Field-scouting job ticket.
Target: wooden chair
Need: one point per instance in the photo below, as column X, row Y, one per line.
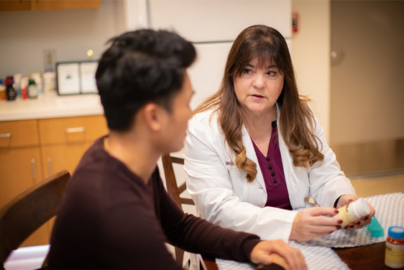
column 175, row 191
column 28, row 211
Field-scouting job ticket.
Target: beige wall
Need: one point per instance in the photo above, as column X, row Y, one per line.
column 310, row 55
column 25, row 34
column 73, row 32
column 367, row 83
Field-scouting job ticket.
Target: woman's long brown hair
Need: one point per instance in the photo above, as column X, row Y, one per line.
column 297, row 122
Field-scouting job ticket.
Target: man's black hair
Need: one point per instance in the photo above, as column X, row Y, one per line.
column 140, row 67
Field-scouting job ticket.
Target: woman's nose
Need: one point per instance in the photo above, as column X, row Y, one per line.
column 258, row 81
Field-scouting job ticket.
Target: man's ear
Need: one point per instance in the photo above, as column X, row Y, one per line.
column 153, row 116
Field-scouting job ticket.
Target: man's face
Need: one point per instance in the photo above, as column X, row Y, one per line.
column 175, row 123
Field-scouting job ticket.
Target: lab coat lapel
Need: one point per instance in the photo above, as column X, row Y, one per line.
column 285, row 155
column 292, row 181
column 251, row 155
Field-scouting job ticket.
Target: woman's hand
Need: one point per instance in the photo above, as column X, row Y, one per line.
column 347, row 199
column 265, row 252
column 314, row 222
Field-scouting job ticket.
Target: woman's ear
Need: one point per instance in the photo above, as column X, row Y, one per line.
column 153, row 116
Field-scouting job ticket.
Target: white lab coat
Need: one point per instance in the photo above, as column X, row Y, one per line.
column 224, row 197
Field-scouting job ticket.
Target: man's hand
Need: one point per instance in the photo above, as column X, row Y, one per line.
column 314, row 222
column 276, row 259
column 347, row 199
column 292, row 258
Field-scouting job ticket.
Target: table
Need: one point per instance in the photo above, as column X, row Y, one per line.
column 363, row 257
column 356, row 249
column 210, row 263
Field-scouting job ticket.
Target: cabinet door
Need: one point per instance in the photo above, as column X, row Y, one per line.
column 62, row 157
column 20, row 169
column 14, row 5
column 64, row 4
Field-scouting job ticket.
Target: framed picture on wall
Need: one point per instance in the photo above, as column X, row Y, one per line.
column 75, row 78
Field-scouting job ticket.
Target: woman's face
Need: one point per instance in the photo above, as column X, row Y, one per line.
column 258, row 87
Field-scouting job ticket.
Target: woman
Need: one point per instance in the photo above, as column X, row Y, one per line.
column 254, row 150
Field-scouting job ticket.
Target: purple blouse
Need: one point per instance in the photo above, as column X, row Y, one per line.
column 272, row 172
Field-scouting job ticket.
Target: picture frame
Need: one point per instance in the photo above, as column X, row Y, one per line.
column 76, row 77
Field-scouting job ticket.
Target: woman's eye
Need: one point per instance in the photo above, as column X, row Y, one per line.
column 247, row 71
column 271, row 73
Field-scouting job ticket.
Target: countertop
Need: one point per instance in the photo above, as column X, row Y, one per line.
column 50, row 105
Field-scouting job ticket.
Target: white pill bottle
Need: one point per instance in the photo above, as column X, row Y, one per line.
column 353, row 211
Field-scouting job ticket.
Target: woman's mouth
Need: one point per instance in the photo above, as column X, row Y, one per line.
column 257, row 96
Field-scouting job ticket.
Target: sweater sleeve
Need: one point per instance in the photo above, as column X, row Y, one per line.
column 196, row 235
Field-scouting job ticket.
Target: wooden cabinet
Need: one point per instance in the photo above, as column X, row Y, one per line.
column 34, row 149
column 64, row 140
column 20, row 159
column 63, row 4
column 20, row 169
column 19, row 134
column 20, row 166
column 15, row 5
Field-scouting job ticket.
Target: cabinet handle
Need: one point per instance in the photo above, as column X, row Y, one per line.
column 33, row 168
column 5, row 135
column 50, row 165
column 75, row 130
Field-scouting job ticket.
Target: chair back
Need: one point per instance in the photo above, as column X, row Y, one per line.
column 175, row 191
column 24, row 214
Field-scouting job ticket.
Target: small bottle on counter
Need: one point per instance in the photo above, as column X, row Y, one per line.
column 9, row 79
column 395, row 248
column 2, row 90
column 49, row 82
column 353, row 211
column 17, row 84
column 37, row 77
column 32, row 89
column 24, row 87
column 11, row 94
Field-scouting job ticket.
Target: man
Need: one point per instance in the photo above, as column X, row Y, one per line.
column 115, row 212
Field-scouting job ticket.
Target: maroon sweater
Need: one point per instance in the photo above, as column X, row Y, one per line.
column 110, row 219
